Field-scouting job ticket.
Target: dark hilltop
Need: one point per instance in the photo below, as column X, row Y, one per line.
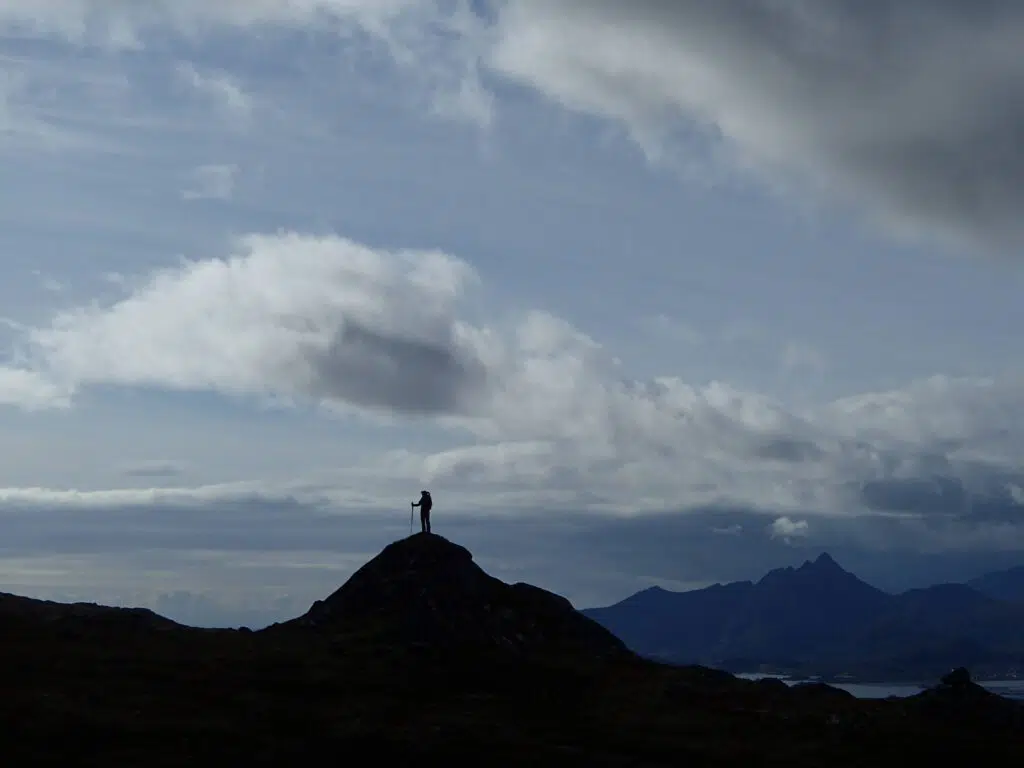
column 422, row 656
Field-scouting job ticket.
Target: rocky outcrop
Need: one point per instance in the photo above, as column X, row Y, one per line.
column 958, row 701
column 957, row 678
column 426, row 592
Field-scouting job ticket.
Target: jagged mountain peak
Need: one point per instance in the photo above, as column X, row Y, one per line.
column 823, row 566
column 825, row 560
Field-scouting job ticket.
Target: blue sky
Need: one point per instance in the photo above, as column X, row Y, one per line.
column 732, row 285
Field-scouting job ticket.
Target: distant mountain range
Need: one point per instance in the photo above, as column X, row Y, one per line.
column 1002, row 585
column 819, row 619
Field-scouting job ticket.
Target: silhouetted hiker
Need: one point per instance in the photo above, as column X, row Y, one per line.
column 424, row 504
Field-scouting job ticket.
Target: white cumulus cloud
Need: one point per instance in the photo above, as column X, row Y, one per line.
column 287, row 315
column 785, row 528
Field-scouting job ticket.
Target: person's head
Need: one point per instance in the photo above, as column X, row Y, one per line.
column 424, row 493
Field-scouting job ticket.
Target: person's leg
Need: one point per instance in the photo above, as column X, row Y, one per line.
column 423, row 520
column 426, row 514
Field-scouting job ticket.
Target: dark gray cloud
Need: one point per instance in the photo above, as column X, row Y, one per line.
column 788, row 449
column 937, row 495
column 371, row 368
column 945, row 496
column 913, row 109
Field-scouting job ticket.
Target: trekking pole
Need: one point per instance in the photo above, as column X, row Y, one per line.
column 410, row 518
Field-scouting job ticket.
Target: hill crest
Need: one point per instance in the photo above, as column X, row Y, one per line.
column 427, row 592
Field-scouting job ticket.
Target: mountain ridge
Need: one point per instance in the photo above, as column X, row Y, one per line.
column 818, row 618
column 1006, row 584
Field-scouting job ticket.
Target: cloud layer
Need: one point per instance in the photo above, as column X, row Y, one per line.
column 126, row 24
column 910, row 109
column 552, row 420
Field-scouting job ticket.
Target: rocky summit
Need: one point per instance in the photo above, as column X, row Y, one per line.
column 426, row 592
column 423, row 658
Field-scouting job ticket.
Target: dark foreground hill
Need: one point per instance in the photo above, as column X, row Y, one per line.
column 422, row 658
column 426, row 593
column 821, row 619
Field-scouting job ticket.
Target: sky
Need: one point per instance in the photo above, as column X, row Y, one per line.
column 645, row 293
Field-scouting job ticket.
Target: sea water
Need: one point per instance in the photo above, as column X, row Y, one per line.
column 1011, row 689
